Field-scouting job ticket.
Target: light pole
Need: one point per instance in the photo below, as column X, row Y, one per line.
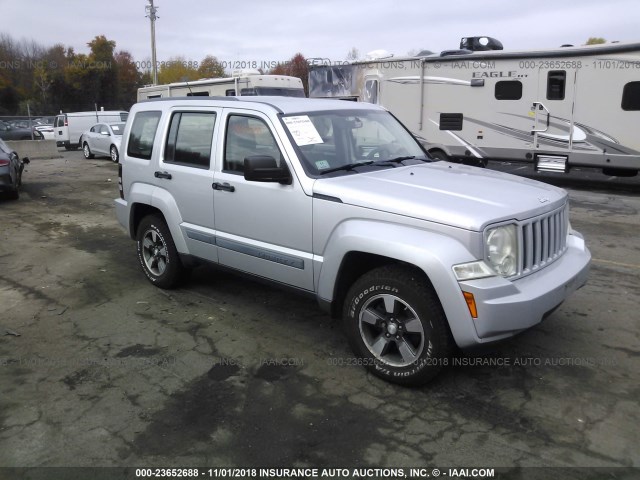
column 151, row 14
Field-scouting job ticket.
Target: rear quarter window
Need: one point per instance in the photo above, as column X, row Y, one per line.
column 143, row 132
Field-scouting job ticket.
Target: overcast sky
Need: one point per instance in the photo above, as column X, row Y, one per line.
column 274, row 30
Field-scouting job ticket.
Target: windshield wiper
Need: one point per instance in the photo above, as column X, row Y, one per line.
column 395, row 160
column 347, row 167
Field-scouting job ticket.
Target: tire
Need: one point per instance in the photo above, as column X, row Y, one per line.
column 396, row 326
column 157, row 253
column 439, row 155
column 87, row 151
column 114, row 153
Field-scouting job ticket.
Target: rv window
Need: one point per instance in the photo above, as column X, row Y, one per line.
column 198, row 94
column 154, row 96
column 371, row 91
column 556, row 81
column 451, row 121
column 247, row 136
column 124, row 116
column 508, row 90
column 189, row 139
column 143, row 131
column 230, row 93
column 248, row 92
column 631, row 96
column 280, row 92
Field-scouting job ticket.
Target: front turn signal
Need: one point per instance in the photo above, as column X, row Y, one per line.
column 471, row 304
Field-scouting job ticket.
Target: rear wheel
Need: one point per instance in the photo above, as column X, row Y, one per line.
column 396, row 326
column 114, row 153
column 157, row 253
column 87, row 151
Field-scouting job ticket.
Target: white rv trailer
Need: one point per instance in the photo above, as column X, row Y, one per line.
column 570, row 106
column 243, row 82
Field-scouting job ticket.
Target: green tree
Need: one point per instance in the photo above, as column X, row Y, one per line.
column 103, row 71
column 177, row 69
column 42, row 81
column 296, row 67
column 353, row 55
column 210, row 68
column 129, row 79
column 595, row 41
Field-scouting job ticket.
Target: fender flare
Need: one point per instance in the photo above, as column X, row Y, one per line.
column 146, row 194
column 432, row 252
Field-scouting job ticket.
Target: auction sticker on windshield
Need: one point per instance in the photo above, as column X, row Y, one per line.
column 302, row 130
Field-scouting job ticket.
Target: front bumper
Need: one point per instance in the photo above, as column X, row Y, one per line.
column 507, row 307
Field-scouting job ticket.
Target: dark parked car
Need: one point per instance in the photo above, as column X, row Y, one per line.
column 11, row 168
column 8, row 132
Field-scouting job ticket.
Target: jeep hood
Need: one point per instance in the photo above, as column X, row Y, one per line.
column 442, row 192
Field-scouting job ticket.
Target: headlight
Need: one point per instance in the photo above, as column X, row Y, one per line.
column 501, row 246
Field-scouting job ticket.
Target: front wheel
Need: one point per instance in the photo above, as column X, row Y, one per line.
column 396, row 326
column 114, row 153
column 87, row 151
column 157, row 253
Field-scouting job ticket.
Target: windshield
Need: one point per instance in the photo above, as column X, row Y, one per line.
column 338, row 141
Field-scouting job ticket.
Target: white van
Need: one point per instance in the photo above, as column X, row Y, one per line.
column 69, row 127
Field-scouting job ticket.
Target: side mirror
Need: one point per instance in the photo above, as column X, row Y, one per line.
column 26, row 160
column 263, row 168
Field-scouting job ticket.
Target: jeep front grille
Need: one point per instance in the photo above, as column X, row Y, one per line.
column 544, row 239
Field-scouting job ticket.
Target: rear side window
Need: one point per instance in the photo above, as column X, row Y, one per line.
column 143, row 131
column 508, row 90
column 190, row 137
column 631, row 96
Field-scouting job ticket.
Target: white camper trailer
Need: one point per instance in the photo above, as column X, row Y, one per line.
column 243, row 82
column 571, row 106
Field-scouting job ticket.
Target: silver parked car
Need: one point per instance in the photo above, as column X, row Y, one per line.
column 103, row 139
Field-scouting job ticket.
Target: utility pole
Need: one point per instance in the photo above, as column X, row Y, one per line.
column 151, row 14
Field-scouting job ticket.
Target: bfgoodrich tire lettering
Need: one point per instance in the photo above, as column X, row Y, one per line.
column 394, row 320
column 157, row 253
